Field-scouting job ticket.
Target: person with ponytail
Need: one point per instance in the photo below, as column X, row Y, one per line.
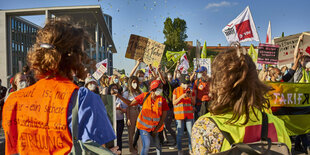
column 47, row 105
column 237, row 105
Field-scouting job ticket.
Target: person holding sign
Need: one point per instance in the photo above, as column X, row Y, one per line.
column 238, row 102
column 152, row 116
column 43, row 112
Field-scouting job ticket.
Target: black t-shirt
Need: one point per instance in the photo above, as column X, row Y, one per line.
column 166, row 91
column 2, row 92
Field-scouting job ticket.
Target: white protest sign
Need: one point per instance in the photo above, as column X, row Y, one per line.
column 99, row 72
column 206, row 62
column 286, row 49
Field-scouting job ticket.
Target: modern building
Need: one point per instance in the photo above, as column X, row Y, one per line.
column 17, row 35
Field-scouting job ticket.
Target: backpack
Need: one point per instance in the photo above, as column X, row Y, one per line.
column 264, row 146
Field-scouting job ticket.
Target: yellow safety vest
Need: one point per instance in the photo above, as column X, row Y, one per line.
column 251, row 132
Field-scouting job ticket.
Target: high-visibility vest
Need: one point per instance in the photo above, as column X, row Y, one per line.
column 150, row 114
column 35, row 118
column 183, row 109
column 251, row 132
column 202, row 91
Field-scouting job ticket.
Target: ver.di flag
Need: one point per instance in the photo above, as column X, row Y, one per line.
column 204, row 51
column 184, row 64
column 253, row 54
column 242, row 28
column 174, row 56
column 103, row 62
column 268, row 38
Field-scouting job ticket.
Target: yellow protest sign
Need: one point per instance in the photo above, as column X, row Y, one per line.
column 290, row 102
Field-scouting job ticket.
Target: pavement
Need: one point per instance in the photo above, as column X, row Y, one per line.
column 165, row 148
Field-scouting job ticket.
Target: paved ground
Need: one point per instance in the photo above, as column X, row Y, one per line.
column 165, row 150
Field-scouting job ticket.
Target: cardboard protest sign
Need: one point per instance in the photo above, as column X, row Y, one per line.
column 286, row 49
column 303, row 44
column 99, row 72
column 136, row 47
column 203, row 62
column 148, row 49
column 268, row 54
column 291, row 103
column 153, row 53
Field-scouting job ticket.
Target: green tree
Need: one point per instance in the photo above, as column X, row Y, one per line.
column 175, row 35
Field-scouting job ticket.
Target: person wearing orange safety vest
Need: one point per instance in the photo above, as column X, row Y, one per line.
column 152, row 116
column 39, row 119
column 183, row 102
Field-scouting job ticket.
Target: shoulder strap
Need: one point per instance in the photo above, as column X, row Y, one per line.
column 226, row 135
column 75, row 122
column 264, row 132
column 147, row 95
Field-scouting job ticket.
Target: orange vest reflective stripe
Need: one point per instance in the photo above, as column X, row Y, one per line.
column 35, row 118
column 184, row 109
column 150, row 114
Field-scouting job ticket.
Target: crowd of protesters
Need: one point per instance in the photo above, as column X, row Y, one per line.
column 195, row 102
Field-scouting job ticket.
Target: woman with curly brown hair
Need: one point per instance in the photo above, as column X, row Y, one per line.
column 238, row 100
column 38, row 119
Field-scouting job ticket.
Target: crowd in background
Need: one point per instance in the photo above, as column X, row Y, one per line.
column 149, row 105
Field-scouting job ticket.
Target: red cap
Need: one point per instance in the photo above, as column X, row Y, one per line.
column 11, row 80
column 155, row 84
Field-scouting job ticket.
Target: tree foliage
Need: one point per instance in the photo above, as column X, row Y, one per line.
column 175, row 35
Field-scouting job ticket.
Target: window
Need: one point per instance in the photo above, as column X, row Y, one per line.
column 12, row 22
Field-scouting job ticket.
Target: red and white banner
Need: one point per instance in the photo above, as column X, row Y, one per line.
column 242, row 28
column 268, row 38
column 103, row 62
column 184, row 65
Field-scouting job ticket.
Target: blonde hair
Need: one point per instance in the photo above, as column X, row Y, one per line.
column 235, row 86
column 64, row 56
column 104, row 81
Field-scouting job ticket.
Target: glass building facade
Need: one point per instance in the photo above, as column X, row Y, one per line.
column 23, row 37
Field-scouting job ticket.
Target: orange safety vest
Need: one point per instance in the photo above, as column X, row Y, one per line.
column 202, row 91
column 35, row 118
column 184, row 109
column 150, row 114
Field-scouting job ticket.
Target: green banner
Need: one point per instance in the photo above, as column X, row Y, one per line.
column 290, row 102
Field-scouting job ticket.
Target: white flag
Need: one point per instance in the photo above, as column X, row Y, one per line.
column 184, row 65
column 103, row 62
column 268, row 38
column 242, row 28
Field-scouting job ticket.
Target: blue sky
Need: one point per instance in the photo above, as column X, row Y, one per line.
column 205, row 18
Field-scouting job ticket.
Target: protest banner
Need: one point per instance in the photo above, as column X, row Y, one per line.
column 203, row 62
column 242, row 28
column 99, row 72
column 291, row 103
column 286, row 48
column 140, row 47
column 268, row 54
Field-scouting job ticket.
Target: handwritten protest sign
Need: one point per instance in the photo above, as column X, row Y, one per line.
column 153, row 53
column 268, row 54
column 148, row 49
column 303, row 44
column 286, row 49
column 291, row 103
column 99, row 72
column 203, row 62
